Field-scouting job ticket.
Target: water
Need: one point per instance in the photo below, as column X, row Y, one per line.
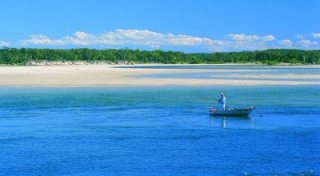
column 158, row 131
column 236, row 72
column 246, row 68
column 224, row 76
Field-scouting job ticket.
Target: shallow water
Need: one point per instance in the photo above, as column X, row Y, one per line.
column 246, row 68
column 158, row 131
column 227, row 76
column 236, row 72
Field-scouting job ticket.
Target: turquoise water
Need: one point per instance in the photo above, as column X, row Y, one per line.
column 158, row 131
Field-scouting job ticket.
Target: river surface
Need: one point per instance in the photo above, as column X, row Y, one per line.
column 158, row 131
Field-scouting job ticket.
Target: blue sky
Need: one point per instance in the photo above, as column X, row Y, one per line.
column 183, row 25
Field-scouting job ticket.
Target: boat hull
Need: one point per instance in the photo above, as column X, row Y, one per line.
column 231, row 112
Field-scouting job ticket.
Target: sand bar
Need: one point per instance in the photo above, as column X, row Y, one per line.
column 109, row 75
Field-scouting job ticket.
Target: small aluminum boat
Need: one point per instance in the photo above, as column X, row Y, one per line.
column 231, row 111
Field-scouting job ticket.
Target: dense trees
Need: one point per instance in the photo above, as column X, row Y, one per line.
column 24, row 56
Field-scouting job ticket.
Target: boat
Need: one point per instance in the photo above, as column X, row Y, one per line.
column 231, row 111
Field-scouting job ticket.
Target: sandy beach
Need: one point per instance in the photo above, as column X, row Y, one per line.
column 110, row 75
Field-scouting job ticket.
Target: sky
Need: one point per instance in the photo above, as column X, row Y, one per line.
column 180, row 25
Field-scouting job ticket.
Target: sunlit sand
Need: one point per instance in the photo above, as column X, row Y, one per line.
column 109, row 75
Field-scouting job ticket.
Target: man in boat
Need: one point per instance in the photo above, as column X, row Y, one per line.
column 222, row 101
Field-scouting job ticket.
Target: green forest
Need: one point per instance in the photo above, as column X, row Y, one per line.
column 24, row 56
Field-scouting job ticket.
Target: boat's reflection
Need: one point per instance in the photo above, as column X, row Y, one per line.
column 232, row 121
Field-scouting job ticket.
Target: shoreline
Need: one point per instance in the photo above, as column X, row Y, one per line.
column 125, row 86
column 79, row 63
column 115, row 76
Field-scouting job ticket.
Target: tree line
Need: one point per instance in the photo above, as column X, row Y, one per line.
column 24, row 56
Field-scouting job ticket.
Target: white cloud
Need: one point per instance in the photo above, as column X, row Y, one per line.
column 286, row 43
column 268, row 38
column 248, row 42
column 246, row 37
column 121, row 37
column 4, row 43
column 151, row 39
column 316, row 35
column 243, row 37
column 307, row 43
column 81, row 35
column 40, row 39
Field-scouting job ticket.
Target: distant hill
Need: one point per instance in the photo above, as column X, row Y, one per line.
column 25, row 56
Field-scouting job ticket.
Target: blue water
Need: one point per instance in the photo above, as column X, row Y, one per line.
column 158, row 131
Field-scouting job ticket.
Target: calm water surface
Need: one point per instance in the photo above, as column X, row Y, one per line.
column 230, row 72
column 250, row 68
column 158, row 131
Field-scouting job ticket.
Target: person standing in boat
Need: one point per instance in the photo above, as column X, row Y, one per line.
column 223, row 101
